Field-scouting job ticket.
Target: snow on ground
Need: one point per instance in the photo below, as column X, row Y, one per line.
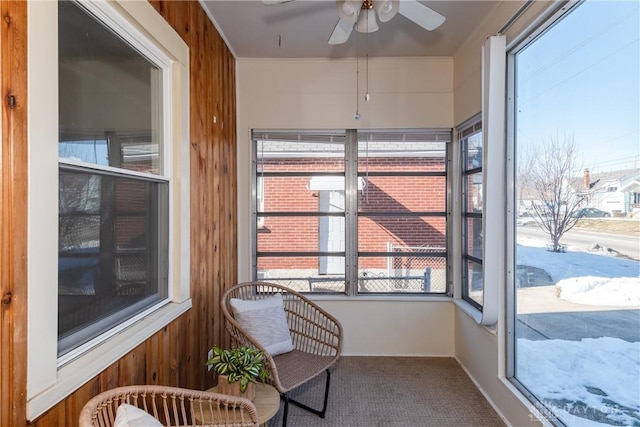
column 592, row 382
column 596, row 378
column 565, row 265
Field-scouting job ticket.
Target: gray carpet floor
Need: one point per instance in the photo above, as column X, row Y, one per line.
column 393, row 391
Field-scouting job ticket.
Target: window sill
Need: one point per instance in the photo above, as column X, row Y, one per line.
column 77, row 372
column 469, row 310
column 383, row 297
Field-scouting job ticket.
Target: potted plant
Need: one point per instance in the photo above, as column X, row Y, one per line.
column 237, row 369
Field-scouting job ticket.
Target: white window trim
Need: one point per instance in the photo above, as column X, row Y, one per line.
column 494, row 197
column 494, row 72
column 48, row 382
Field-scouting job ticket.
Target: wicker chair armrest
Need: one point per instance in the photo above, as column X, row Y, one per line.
column 313, row 330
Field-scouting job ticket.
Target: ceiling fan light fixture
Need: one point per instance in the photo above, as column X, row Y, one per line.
column 348, row 10
column 367, row 22
column 386, row 9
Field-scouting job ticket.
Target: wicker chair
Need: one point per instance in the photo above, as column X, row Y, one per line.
column 172, row 406
column 316, row 336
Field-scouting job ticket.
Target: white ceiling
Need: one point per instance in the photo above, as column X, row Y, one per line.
column 301, row 29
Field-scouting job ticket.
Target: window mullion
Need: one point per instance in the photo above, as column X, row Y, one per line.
column 351, row 212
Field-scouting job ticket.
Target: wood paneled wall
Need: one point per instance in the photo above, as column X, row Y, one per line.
column 175, row 355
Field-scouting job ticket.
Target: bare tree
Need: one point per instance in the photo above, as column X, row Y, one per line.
column 549, row 177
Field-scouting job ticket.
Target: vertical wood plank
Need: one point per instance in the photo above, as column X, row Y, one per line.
column 13, row 199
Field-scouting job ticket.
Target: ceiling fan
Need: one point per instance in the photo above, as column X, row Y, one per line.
column 361, row 15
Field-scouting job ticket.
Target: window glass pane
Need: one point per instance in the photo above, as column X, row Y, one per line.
column 310, row 234
column 472, row 237
column 473, row 151
column 292, row 155
column 403, row 194
column 473, row 282
column 472, row 192
column 306, row 274
column 113, row 252
column 401, row 156
column 110, row 96
column 577, row 320
column 384, row 233
column 407, row 271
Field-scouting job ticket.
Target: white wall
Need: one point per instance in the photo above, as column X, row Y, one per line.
column 392, row 327
column 321, row 94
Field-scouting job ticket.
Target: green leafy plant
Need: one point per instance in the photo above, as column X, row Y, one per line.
column 244, row 364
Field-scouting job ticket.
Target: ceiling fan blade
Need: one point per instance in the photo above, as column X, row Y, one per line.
column 341, row 32
column 426, row 17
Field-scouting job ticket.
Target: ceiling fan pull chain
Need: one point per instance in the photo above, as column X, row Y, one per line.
column 366, row 95
column 357, row 115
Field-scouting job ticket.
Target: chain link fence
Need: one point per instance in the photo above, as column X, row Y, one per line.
column 409, row 270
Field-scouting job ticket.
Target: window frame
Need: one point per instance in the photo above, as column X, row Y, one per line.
column 468, row 129
column 353, row 180
column 50, row 378
column 543, row 22
column 437, row 253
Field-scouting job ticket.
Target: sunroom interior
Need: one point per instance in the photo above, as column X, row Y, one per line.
column 194, row 181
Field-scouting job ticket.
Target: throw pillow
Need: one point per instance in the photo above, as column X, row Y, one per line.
column 265, row 320
column 130, row 416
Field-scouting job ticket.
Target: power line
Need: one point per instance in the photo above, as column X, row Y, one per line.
column 566, row 54
column 576, row 74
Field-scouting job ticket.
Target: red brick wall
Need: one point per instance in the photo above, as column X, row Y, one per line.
column 384, row 194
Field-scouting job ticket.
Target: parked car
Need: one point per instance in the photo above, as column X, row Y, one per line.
column 591, row 213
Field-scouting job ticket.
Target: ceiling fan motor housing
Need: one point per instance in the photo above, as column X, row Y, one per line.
column 352, row 11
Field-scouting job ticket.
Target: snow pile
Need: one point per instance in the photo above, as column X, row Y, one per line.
column 590, row 290
column 596, row 379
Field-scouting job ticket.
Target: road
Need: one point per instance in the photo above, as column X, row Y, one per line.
column 625, row 244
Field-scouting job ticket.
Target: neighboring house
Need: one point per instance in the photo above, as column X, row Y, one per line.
column 617, row 192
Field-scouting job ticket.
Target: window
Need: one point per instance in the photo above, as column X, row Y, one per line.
column 113, row 224
column 470, row 136
column 352, row 212
column 108, row 209
column 574, row 306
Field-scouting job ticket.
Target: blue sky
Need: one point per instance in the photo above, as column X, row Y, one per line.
column 581, row 79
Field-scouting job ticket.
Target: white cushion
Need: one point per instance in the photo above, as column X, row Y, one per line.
column 130, row 416
column 265, row 320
